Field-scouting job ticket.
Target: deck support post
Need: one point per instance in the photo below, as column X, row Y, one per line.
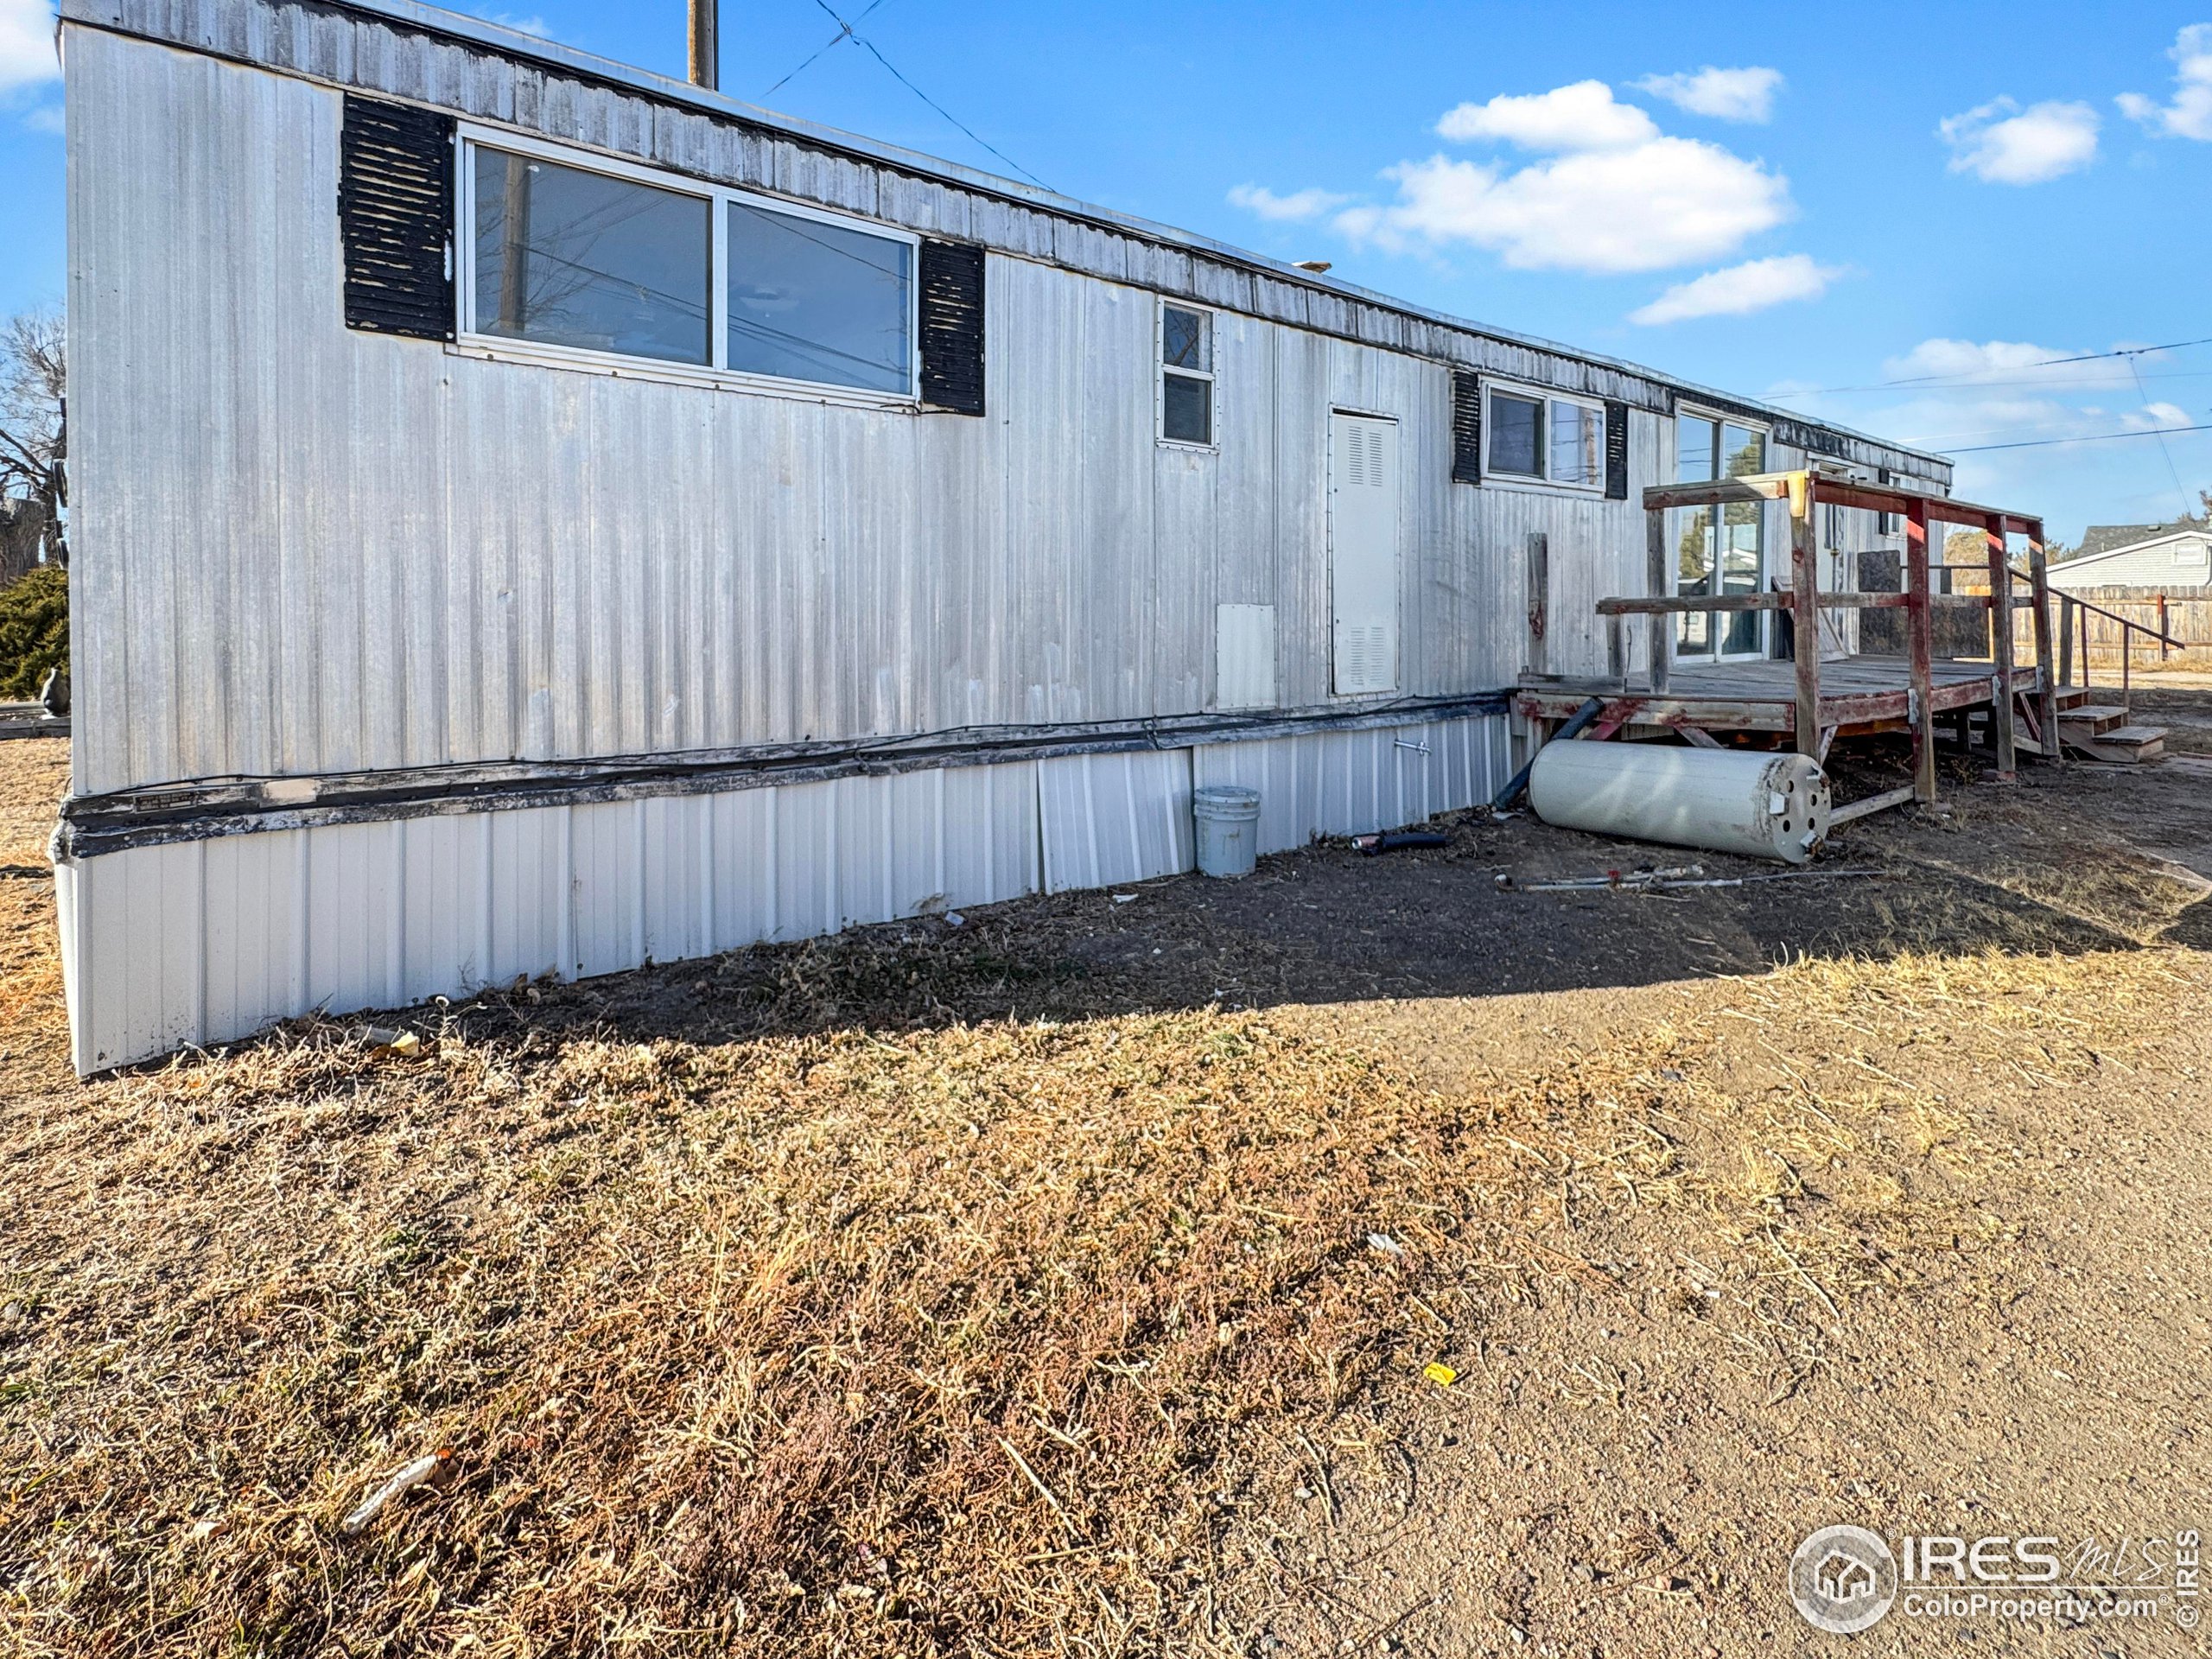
column 1654, row 578
column 1617, row 650
column 2066, row 639
column 1919, row 618
column 1805, row 610
column 2046, row 664
column 2001, row 650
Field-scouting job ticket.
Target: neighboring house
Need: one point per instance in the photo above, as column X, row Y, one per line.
column 2103, row 539
column 2161, row 561
column 532, row 517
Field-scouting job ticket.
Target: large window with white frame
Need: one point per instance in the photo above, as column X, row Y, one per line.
column 1542, row 437
column 1722, row 549
column 573, row 257
column 1186, row 399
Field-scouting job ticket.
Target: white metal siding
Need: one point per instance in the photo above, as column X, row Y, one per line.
column 208, row 941
column 1351, row 783
column 303, row 549
column 1109, row 818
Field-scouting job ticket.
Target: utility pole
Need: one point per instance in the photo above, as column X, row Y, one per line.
column 706, row 45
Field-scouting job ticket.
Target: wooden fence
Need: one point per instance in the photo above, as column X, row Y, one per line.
column 2183, row 613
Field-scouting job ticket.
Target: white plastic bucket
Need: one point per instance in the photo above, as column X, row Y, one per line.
column 1227, row 819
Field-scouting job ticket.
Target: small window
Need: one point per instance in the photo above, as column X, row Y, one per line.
column 1186, row 375
column 568, row 257
column 810, row 300
column 1549, row 440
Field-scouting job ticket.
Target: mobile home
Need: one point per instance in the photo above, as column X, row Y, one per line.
column 536, row 517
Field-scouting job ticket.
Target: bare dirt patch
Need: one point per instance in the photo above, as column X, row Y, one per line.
column 1067, row 1280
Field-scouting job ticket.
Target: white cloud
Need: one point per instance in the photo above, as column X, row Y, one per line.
column 530, row 25
column 2152, row 416
column 2190, row 115
column 1299, row 205
column 1724, row 94
column 1968, row 362
column 1578, row 117
column 47, row 117
column 2002, row 143
column 1669, row 201
column 1740, row 290
column 26, row 44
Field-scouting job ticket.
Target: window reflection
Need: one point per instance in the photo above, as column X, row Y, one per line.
column 811, row 301
column 574, row 258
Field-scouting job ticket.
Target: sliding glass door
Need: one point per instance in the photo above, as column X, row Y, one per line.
column 1718, row 550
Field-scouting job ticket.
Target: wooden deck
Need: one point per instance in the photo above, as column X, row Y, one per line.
column 1857, row 694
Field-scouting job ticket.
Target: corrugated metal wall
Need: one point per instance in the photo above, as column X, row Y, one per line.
column 303, row 549
column 200, row 942
column 204, row 941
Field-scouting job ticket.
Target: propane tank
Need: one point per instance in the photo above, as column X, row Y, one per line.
column 1744, row 801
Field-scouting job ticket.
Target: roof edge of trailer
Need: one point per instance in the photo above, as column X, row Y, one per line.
column 514, row 44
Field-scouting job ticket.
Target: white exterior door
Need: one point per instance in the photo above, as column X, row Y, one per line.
column 1363, row 552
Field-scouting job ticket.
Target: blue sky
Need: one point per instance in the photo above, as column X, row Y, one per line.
column 1952, row 196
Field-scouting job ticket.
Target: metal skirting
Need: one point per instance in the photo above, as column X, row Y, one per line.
column 1350, row 783
column 199, row 942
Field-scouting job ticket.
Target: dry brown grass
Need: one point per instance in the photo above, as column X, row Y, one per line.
column 852, row 1331
column 950, row 1340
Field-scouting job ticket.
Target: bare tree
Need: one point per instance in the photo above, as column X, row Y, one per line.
column 35, row 422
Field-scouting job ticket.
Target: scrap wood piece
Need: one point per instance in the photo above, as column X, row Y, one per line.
column 1871, row 804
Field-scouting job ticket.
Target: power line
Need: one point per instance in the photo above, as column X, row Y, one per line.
column 845, row 30
column 2144, row 392
column 2098, row 437
column 1968, row 380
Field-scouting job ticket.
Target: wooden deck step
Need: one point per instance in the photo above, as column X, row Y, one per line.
column 2122, row 743
column 2095, row 717
column 2071, row 696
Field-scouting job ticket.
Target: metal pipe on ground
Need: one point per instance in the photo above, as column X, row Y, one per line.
column 1576, row 724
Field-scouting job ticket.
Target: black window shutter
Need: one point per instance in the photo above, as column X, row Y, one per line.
column 395, row 219
column 952, row 326
column 1466, row 428
column 1616, row 452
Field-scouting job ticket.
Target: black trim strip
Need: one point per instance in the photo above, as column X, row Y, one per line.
column 95, row 824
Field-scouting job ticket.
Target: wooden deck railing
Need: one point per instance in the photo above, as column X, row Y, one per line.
column 1803, row 491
